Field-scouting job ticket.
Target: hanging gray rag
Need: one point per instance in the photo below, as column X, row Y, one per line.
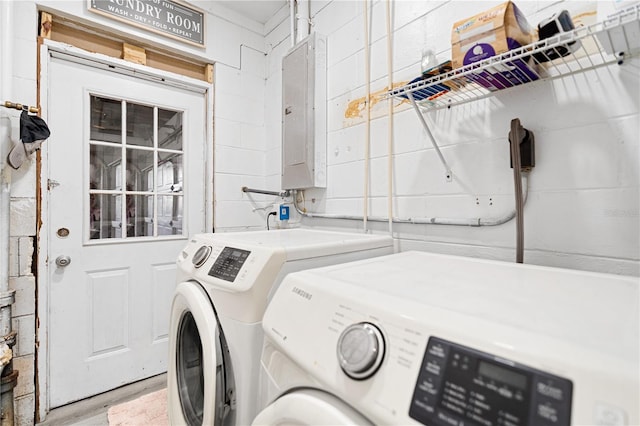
column 33, row 131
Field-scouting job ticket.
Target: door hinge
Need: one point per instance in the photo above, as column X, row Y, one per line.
column 52, row 184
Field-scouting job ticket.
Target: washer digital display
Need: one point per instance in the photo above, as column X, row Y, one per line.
column 501, row 374
column 228, row 264
column 458, row 385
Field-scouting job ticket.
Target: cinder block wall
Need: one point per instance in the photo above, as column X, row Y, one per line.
column 236, row 46
column 22, row 280
column 23, row 221
column 583, row 207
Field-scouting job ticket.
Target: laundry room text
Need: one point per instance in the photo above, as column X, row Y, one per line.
column 164, row 16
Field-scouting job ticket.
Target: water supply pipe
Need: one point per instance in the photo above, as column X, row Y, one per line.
column 473, row 221
column 283, row 194
column 367, row 137
column 292, row 21
column 303, row 18
column 390, row 114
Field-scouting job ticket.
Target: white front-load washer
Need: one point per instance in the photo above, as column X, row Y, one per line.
column 224, row 283
column 420, row 338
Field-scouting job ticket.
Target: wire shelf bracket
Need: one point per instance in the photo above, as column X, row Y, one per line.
column 605, row 43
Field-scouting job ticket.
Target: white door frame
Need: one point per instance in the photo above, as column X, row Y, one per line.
column 120, row 66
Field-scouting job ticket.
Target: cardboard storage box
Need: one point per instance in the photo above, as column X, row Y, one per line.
column 492, row 32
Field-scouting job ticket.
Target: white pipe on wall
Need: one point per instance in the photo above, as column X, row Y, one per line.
column 367, row 138
column 474, row 221
column 303, row 18
column 292, row 21
column 390, row 114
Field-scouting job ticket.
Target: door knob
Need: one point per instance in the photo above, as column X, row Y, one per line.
column 63, row 261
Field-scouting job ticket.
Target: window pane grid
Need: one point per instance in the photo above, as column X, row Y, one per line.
column 169, row 151
column 143, row 195
column 155, row 170
column 123, row 170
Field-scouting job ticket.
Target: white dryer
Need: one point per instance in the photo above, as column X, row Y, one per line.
column 224, row 283
column 420, row 338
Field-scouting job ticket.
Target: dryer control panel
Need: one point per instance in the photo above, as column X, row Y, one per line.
column 459, row 385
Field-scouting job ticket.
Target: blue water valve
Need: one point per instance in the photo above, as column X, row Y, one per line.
column 284, row 212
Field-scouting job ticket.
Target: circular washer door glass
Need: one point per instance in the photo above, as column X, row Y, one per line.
column 190, row 370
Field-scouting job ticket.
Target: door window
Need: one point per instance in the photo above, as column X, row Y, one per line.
column 135, row 170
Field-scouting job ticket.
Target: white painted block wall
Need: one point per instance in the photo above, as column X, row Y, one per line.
column 23, row 223
column 583, row 206
column 240, row 140
column 235, row 45
column 247, row 131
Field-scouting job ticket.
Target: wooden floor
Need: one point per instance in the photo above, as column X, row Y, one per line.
column 93, row 411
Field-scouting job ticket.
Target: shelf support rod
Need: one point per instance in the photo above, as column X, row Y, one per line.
column 433, row 140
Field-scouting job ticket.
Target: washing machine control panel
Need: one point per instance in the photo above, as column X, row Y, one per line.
column 360, row 350
column 459, row 385
column 228, row 263
column 201, row 256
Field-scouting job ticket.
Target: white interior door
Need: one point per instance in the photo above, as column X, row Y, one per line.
column 126, row 188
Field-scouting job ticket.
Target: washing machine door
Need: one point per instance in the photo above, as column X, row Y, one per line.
column 309, row 407
column 197, row 388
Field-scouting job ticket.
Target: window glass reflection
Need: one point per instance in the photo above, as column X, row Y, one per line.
column 139, row 170
column 105, row 216
column 136, row 184
column 170, row 215
column 139, row 125
column 105, row 171
column 169, row 129
column 106, row 120
column 139, row 215
column 169, row 172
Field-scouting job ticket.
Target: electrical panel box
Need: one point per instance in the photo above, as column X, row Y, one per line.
column 304, row 114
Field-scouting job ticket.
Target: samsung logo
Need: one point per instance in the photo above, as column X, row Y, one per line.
column 300, row 292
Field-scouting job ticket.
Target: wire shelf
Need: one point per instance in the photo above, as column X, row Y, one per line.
column 589, row 47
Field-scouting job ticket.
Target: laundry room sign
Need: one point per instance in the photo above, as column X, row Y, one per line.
column 168, row 17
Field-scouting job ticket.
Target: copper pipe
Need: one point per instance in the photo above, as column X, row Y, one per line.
column 32, row 109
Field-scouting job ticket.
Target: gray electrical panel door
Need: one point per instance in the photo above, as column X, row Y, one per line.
column 304, row 130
